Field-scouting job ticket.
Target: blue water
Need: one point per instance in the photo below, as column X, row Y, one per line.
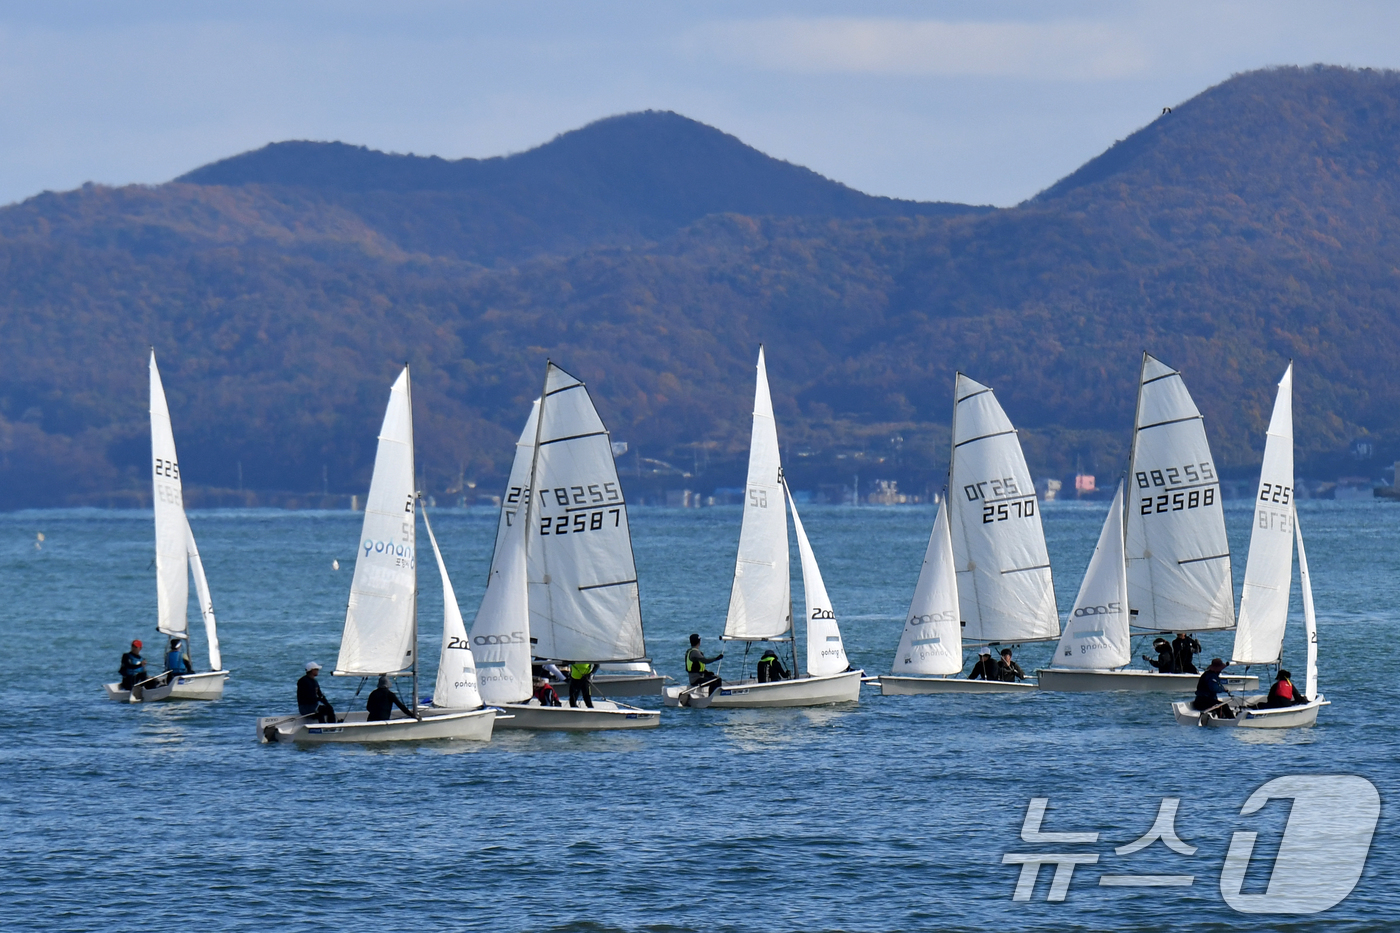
column 890, row 815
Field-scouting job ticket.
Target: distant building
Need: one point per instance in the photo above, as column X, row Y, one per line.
column 1048, row 489
column 1084, row 482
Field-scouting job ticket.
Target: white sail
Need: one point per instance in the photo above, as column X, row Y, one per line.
column 456, row 675
column 760, row 602
column 583, row 581
column 501, row 630
column 517, row 497
column 1005, row 590
column 1096, row 635
column 1268, row 572
column 932, row 639
column 172, row 531
column 825, row 652
column 206, row 603
column 1178, row 555
column 1310, row 685
column 379, row 621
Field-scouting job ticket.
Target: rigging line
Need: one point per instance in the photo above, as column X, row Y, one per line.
column 982, row 437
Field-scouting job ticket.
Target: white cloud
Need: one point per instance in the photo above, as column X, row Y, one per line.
column 1066, row 50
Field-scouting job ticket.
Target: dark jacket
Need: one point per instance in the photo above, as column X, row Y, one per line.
column 1209, row 687
column 133, row 665
column 1166, row 661
column 1184, row 651
column 1010, row 671
column 770, row 669
column 986, row 668
column 381, row 704
column 1277, row 697
column 309, row 695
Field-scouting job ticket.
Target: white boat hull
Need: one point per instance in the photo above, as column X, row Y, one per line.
column 1087, row 681
column 896, row 686
column 605, row 714
column 1250, row 714
column 470, row 725
column 804, row 691
column 623, row 685
column 208, row 685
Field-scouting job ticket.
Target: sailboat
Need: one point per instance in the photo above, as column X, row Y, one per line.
column 381, row 620
column 989, row 582
column 1175, row 553
column 177, row 558
column 1268, row 577
column 563, row 583
column 760, row 600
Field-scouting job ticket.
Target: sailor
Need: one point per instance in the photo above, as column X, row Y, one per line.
column 1008, row 669
column 177, row 659
column 544, row 692
column 1184, row 651
column 985, row 668
column 133, row 669
column 1283, row 693
column 770, row 668
column 1208, row 690
column 695, row 662
column 382, row 701
column 1165, row 662
column 310, row 700
column 580, row 683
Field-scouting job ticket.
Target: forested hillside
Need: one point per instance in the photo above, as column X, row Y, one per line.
column 650, row 255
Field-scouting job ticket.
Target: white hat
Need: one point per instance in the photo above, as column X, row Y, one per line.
column 985, row 650
column 312, row 666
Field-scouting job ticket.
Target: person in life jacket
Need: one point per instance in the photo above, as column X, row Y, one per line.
column 177, row 658
column 545, row 693
column 1184, row 651
column 581, row 683
column 1208, row 690
column 1008, row 669
column 985, row 668
column 695, row 662
column 1165, row 662
column 770, row 668
column 133, row 669
column 1283, row 693
column 382, row 701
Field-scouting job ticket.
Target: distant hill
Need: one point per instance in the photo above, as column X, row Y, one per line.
column 622, row 180
column 1256, row 223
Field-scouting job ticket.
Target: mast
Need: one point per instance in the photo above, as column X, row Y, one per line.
column 417, row 496
column 530, row 502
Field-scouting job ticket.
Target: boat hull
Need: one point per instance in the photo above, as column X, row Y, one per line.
column 804, row 691
column 894, row 685
column 469, row 725
column 1251, row 715
column 604, row 715
column 624, row 685
column 1089, row 681
column 208, row 685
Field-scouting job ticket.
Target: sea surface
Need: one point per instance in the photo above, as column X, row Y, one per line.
column 893, row 814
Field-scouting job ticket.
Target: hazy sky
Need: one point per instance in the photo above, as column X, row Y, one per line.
column 985, row 102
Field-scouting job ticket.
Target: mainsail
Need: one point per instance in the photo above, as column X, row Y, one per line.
column 172, row 530
column 582, row 578
column 760, row 602
column 825, row 652
column 932, row 639
column 456, row 675
column 1005, row 589
column 379, row 621
column 1178, row 555
column 1268, row 572
column 1096, row 635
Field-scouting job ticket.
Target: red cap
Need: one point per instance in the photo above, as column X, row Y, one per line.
column 136, row 643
